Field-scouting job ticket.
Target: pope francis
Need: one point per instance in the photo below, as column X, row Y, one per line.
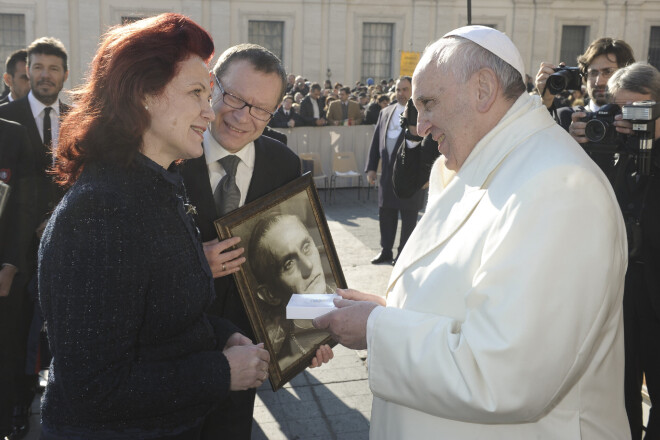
column 503, row 317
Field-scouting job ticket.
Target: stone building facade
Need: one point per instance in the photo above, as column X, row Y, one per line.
column 345, row 40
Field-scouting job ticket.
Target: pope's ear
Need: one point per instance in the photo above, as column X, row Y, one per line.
column 266, row 295
column 487, row 89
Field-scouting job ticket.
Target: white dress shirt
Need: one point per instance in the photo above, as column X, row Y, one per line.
column 38, row 113
column 315, row 108
column 213, row 152
column 394, row 127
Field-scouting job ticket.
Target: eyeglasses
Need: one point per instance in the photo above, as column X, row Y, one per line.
column 605, row 73
column 238, row 103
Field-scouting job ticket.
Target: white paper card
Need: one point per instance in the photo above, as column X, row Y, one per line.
column 310, row 305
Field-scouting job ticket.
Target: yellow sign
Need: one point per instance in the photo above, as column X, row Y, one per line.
column 409, row 61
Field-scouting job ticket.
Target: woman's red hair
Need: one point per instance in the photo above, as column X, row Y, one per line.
column 108, row 119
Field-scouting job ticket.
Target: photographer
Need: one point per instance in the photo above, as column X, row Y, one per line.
column 602, row 58
column 638, row 193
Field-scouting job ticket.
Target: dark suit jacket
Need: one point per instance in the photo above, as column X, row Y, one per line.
column 378, row 151
column 606, row 161
column 14, row 235
column 40, row 158
column 41, row 193
column 4, row 100
column 371, row 113
column 274, row 165
column 307, row 111
column 274, row 134
column 413, row 167
column 280, row 120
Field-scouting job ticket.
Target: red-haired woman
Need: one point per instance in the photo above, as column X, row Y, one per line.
column 123, row 278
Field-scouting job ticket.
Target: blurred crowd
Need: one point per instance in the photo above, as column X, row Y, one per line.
column 311, row 104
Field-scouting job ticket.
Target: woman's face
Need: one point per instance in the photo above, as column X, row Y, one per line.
column 180, row 115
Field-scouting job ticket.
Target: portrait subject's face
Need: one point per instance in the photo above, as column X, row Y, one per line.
column 296, row 257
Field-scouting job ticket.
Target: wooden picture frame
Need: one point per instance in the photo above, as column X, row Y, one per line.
column 288, row 249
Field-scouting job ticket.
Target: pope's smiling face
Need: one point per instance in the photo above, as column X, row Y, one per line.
column 444, row 112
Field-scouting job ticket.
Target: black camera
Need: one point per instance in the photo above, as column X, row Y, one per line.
column 564, row 78
column 642, row 114
column 600, row 125
column 604, row 139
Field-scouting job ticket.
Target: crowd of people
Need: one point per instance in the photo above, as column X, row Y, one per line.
column 310, row 104
column 524, row 304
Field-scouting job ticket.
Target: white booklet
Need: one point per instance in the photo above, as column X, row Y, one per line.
column 310, row 305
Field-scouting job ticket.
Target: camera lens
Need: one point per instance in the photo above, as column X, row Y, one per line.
column 556, row 83
column 595, row 130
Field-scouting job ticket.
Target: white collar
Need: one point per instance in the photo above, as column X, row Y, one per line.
column 592, row 107
column 37, row 106
column 213, row 151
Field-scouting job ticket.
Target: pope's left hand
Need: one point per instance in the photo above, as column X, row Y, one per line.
column 347, row 324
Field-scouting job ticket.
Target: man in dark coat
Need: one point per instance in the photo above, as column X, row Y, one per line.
column 387, row 136
column 311, row 107
column 249, row 83
column 13, row 149
column 285, row 116
column 414, row 158
column 374, row 109
column 15, row 76
column 39, row 112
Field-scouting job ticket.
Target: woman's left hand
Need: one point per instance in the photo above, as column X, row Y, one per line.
column 323, row 356
column 221, row 258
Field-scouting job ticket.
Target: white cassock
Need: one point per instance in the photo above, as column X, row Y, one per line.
column 504, row 310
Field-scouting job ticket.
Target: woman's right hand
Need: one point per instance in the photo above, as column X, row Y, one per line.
column 248, row 365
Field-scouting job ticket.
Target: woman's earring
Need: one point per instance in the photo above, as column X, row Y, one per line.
column 146, row 107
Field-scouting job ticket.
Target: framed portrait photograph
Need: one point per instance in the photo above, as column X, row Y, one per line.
column 288, row 249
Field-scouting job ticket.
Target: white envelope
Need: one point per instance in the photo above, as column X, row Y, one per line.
column 310, row 305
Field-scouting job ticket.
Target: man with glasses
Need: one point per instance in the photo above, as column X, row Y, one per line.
column 238, row 166
column 602, row 58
